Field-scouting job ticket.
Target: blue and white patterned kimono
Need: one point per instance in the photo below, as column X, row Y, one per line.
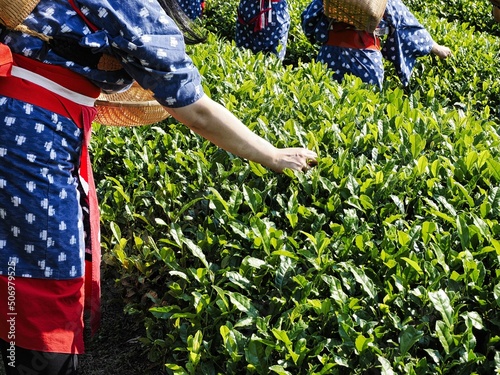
column 192, row 8
column 407, row 40
column 41, row 225
column 263, row 26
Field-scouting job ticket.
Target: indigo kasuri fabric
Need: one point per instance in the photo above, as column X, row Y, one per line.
column 263, row 26
column 192, row 8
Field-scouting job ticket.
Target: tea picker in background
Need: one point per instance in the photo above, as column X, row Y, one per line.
column 263, row 26
column 51, row 73
column 350, row 50
column 192, row 8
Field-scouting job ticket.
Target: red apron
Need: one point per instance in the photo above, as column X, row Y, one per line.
column 58, row 324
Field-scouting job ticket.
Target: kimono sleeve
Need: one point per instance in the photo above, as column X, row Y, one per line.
column 407, row 41
column 150, row 46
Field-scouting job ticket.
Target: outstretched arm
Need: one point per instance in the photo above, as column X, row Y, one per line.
column 218, row 125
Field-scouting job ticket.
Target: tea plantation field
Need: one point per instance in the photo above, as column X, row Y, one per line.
column 383, row 259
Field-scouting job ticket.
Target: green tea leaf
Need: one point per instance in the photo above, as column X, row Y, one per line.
column 409, row 337
column 428, row 228
column 463, row 232
column 413, row 264
column 494, row 168
column 496, row 294
column 196, row 251
column 422, row 165
column 417, row 145
column 386, row 366
column 441, row 303
column 362, row 343
column 279, row 370
column 242, row 303
column 444, row 335
column 474, row 318
column 365, row 282
column 176, row 369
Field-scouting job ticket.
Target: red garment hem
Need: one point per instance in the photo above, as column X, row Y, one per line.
column 42, row 314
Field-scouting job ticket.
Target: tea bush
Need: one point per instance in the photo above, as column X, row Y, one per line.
column 383, row 259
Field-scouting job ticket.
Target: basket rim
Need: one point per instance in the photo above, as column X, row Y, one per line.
column 127, row 103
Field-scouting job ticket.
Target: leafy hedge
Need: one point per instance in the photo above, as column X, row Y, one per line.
column 383, row 259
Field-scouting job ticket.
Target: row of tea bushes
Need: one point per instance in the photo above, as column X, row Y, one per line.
column 381, row 260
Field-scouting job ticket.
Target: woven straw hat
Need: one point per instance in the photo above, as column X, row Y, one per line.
column 12, row 13
column 363, row 14
column 133, row 107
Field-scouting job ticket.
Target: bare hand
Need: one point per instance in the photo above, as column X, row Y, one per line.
column 299, row 159
column 440, row 51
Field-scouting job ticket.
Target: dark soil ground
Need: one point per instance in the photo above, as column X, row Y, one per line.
column 114, row 350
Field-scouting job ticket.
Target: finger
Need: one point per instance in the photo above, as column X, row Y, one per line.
column 311, row 162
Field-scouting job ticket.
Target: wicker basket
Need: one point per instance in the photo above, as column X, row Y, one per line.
column 496, row 13
column 363, row 14
column 133, row 107
column 12, row 13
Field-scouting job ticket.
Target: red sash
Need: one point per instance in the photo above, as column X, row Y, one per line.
column 343, row 35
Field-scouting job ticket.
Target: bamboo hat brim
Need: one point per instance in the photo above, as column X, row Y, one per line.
column 133, row 107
